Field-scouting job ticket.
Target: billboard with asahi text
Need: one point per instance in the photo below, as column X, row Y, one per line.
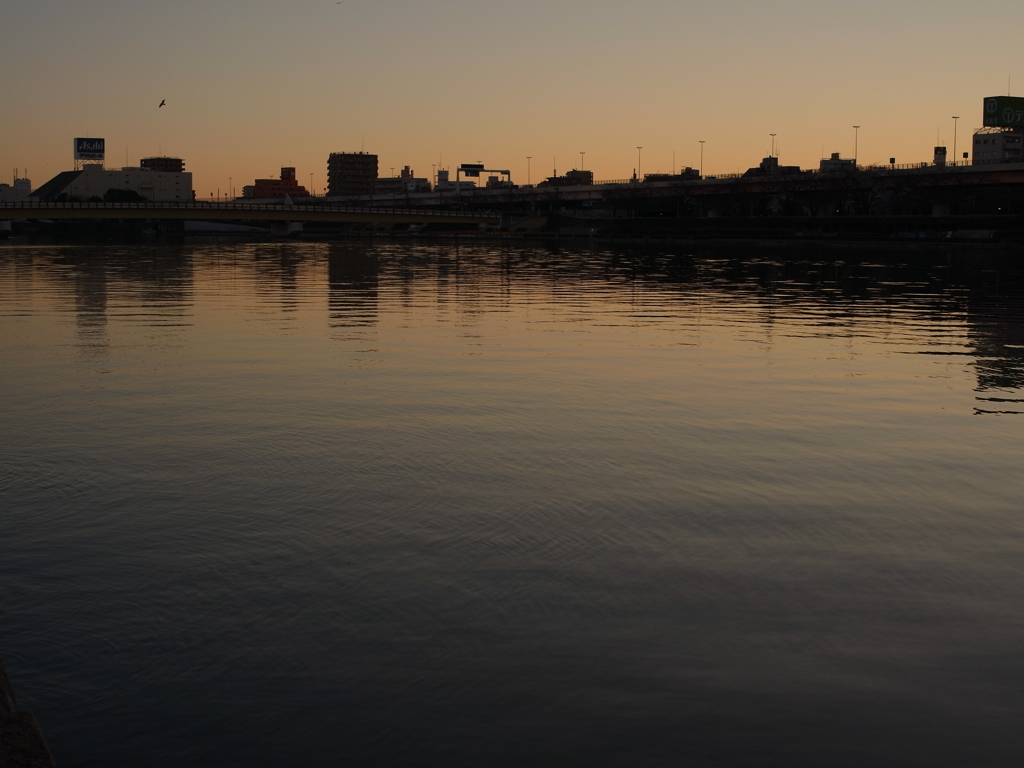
column 90, row 149
column 1004, row 112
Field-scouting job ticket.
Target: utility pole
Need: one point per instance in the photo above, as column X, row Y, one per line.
column 702, row 158
column 638, row 176
column 856, row 136
column 955, row 118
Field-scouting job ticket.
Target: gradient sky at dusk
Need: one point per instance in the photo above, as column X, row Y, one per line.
column 253, row 85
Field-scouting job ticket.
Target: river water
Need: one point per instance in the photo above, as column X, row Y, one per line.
column 426, row 504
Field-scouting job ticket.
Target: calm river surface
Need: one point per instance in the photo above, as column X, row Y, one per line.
column 418, row 504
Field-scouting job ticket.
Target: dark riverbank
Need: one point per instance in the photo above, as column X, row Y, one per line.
column 22, row 744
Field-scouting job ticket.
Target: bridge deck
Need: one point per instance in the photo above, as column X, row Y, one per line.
column 237, row 212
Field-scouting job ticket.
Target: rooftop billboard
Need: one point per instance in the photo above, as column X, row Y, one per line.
column 1004, row 112
column 90, row 149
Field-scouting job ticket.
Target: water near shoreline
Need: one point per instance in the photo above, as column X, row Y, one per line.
column 351, row 504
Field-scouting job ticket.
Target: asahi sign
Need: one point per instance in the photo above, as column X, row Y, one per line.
column 1004, row 112
column 90, row 149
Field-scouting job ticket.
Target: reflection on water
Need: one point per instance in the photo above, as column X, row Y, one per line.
column 353, row 275
column 413, row 504
column 997, row 344
column 91, row 307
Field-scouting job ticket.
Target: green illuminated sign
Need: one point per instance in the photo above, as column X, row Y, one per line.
column 1004, row 112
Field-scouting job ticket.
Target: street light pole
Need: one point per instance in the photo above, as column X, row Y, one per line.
column 955, row 118
column 702, row 158
column 856, row 136
column 773, row 143
column 638, row 176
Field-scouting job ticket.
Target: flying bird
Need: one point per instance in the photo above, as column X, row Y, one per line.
column 162, row 102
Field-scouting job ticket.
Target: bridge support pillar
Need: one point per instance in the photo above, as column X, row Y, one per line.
column 286, row 228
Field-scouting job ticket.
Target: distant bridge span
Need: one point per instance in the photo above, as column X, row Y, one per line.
column 201, row 211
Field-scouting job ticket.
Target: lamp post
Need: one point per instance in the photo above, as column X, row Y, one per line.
column 702, row 158
column 955, row 118
column 230, row 188
column 638, row 176
column 528, row 159
column 773, row 144
column 856, row 136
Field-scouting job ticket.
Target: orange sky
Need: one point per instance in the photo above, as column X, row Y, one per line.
column 253, row 85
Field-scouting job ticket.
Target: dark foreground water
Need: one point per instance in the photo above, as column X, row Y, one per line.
column 418, row 505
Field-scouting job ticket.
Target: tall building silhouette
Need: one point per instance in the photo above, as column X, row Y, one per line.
column 351, row 173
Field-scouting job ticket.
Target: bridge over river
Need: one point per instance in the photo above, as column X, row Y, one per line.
column 236, row 211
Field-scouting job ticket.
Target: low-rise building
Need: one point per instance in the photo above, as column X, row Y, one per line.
column 20, row 190
column 837, row 164
column 572, row 178
column 770, row 167
column 686, row 174
column 405, row 182
column 264, row 189
column 997, row 145
column 163, row 164
column 94, row 182
column 445, row 184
